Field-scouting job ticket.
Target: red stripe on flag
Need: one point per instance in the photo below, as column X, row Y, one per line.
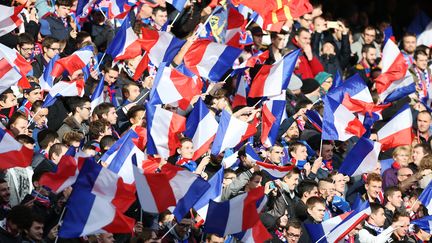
column 257, row 87
column 396, row 71
column 203, row 149
column 355, row 127
column 177, row 125
column 159, row 182
column 395, row 140
column 16, row 158
column 5, row 67
column 267, row 122
column 195, row 54
column 250, row 213
column 149, row 38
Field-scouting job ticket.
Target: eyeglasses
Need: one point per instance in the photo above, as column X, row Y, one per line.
column 88, row 108
column 291, row 235
column 28, row 49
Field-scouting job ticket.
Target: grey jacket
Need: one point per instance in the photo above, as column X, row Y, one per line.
column 70, row 124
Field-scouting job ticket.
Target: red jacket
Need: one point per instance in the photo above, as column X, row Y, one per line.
column 307, row 69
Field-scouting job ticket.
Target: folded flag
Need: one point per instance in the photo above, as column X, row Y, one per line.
column 125, row 44
column 257, row 234
column 272, row 79
column 201, row 127
column 259, row 58
column 231, row 131
column 118, row 158
column 163, row 128
column 213, row 193
column 46, row 81
column 76, row 61
column 338, row 122
column 315, row 118
column 161, row 46
column 274, row 171
column 235, row 23
column 118, row 9
column 424, row 223
column 65, row 89
column 426, row 197
column 210, row 60
column 98, row 96
column 235, row 215
column 181, row 190
column 400, row 126
column 12, row 152
column 362, row 158
column 399, row 89
column 317, row 231
column 10, row 18
column 173, row 87
column 13, row 68
column 97, row 203
column 355, row 88
column 272, row 114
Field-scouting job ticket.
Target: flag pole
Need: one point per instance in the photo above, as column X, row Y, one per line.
column 176, row 17
column 168, row 231
column 250, row 22
column 321, row 143
column 59, row 223
column 203, row 26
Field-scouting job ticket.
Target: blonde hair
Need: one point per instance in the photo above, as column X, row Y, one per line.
column 401, row 149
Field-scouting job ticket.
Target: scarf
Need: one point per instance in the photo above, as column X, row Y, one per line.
column 45, row 201
column 377, row 229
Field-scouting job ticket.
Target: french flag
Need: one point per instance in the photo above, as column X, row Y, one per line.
column 339, row 123
column 400, row 126
column 213, row 193
column 424, row 223
column 12, row 152
column 46, row 81
column 257, row 234
column 394, row 68
column 235, row 24
column 177, row 4
column 201, row 127
column 119, row 157
column 118, row 9
column 163, row 128
column 348, row 224
column 10, row 19
column 125, row 44
column 161, row 46
column 315, row 118
column 257, row 58
column 399, row 89
column 274, row 171
column 318, row 231
column 272, row 79
column 231, row 131
column 240, row 97
column 84, row 7
column 67, row 171
column 181, row 190
column 98, row 96
column 97, row 203
column 210, row 60
column 235, row 215
column 426, row 197
column 272, row 114
column 76, row 61
column 11, row 60
column 355, row 88
column 174, row 88
column 65, row 89
column 362, row 158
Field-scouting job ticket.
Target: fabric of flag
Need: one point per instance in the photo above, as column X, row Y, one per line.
column 231, row 131
column 213, row 193
column 362, row 158
column 10, row 18
column 65, row 89
column 210, row 60
column 426, row 197
column 339, row 123
column 163, row 128
column 399, row 89
column 118, row 9
column 315, row 119
column 235, row 23
column 76, row 61
column 274, row 171
column 118, row 158
column 318, row 231
column 125, row 44
column 274, row 108
column 46, row 81
column 177, row 4
column 98, row 96
column 259, row 58
column 400, row 126
column 161, row 46
column 355, row 87
column 258, row 233
column 172, row 87
column 13, row 68
column 337, row 81
column 272, row 79
column 182, row 189
column 201, row 127
column 240, row 97
column 97, row 203
column 235, row 215
column 12, row 152
column 424, row 223
column 388, row 34
column 84, row 7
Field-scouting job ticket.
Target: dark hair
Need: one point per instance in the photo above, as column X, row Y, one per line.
column 407, row 34
column 106, row 141
column 102, row 108
column 67, row 3
column 294, row 171
column 310, row 203
column 48, row 41
column 45, row 137
column 158, row 8
column 399, row 214
column 422, row 47
column 22, row 138
column 301, row 29
column 306, row 186
column 25, row 38
column 134, row 110
column 19, row 215
column 293, row 222
column 77, row 102
column 425, row 147
column 81, row 36
column 56, row 149
column 36, row 105
column 389, row 191
column 72, row 136
column 97, row 127
column 3, row 96
column 418, row 53
column 375, row 207
column 15, row 116
column 255, row 174
column 367, row 47
column 125, row 89
column 108, row 67
column 294, row 146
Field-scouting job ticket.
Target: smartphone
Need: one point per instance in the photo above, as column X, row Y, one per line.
column 272, row 185
column 332, row 25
